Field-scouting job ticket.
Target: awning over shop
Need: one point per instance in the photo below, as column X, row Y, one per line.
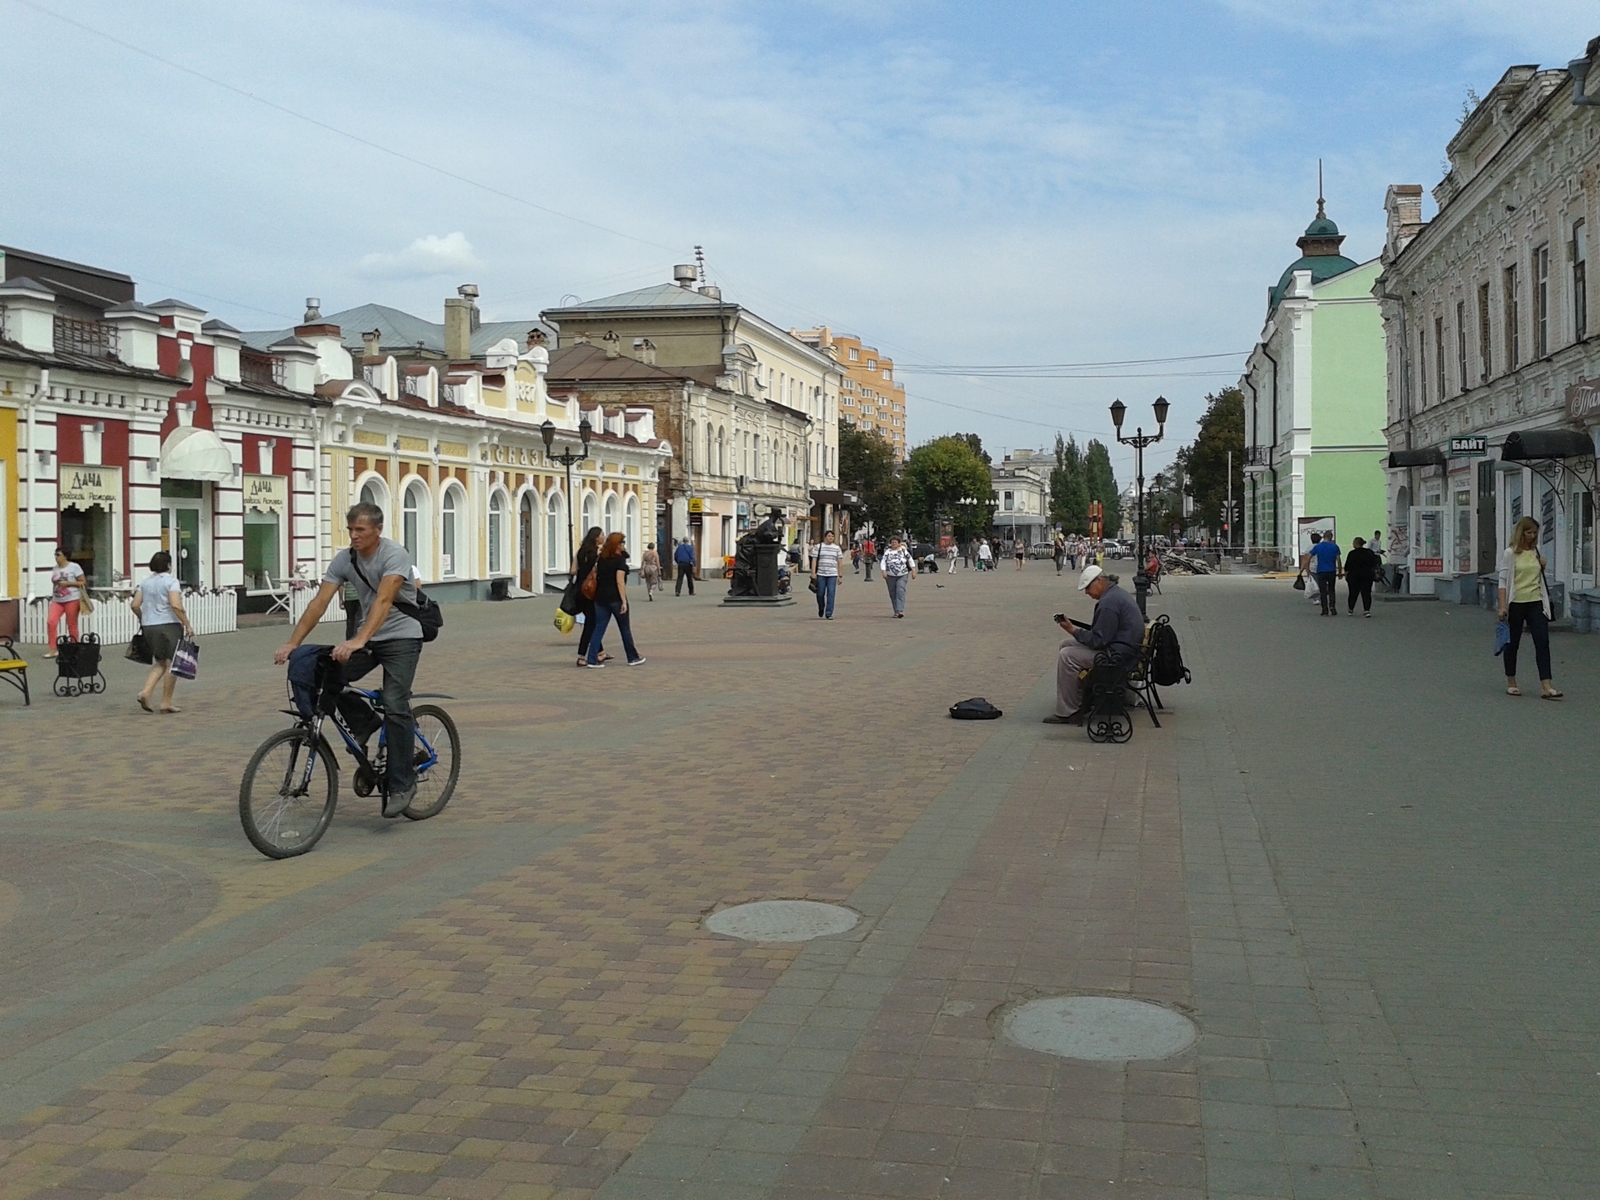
column 194, row 453
column 1432, row 456
column 1533, row 444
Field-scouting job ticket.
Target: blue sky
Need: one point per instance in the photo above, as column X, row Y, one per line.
column 956, row 182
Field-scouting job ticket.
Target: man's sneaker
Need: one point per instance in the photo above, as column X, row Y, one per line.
column 396, row 803
column 594, row 666
column 636, row 662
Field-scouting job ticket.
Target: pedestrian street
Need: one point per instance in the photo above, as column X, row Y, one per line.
column 1360, row 873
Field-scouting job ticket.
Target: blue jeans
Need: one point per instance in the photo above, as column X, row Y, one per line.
column 604, row 614
column 827, row 589
column 897, row 591
column 398, row 657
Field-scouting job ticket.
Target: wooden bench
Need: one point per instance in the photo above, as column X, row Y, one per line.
column 14, row 670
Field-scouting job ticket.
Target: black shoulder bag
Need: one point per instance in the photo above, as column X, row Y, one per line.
column 425, row 612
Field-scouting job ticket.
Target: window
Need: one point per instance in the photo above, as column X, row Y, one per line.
column 1580, row 281
column 497, row 521
column 1582, row 517
column 1485, row 347
column 709, row 460
column 1541, row 301
column 887, row 373
column 1438, row 357
column 630, row 528
column 1513, row 314
column 591, row 513
column 610, row 522
column 1422, row 370
column 372, row 492
column 555, row 533
column 1007, row 501
column 413, row 518
column 688, row 449
column 1461, row 344
column 872, row 364
column 854, row 354
column 262, row 549
column 722, row 456
column 448, row 561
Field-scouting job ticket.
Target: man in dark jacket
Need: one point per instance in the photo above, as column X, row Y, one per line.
column 1117, row 627
column 1360, row 569
column 683, row 563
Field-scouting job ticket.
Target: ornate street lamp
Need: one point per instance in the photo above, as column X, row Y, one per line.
column 1139, row 440
column 566, row 458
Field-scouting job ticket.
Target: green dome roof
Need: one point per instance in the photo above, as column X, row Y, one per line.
column 1322, row 227
column 1321, row 266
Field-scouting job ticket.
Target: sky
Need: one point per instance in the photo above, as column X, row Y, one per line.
column 958, row 183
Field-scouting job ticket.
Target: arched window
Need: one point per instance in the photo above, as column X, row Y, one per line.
column 689, row 448
column 414, row 523
column 555, row 533
column 722, row 444
column 709, row 461
column 591, row 515
column 449, row 559
column 610, row 521
column 497, row 531
column 630, row 528
column 374, row 492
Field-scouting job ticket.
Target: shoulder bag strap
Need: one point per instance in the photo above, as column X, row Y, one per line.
column 406, row 608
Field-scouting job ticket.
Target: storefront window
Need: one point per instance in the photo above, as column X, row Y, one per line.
column 262, row 549
column 1547, row 516
column 497, row 506
column 1582, row 511
column 1463, row 532
column 86, row 534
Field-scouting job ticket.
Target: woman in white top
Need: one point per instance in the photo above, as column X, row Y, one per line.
column 825, row 571
column 68, row 587
column 159, row 606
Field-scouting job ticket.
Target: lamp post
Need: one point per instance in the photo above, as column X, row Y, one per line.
column 1139, row 440
column 566, row 458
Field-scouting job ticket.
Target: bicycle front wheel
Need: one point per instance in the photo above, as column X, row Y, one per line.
column 438, row 751
column 288, row 793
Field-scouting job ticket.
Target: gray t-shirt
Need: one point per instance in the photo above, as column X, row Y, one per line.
column 390, row 558
column 156, row 606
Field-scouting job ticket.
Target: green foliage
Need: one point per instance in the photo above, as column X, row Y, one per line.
column 1205, row 461
column 938, row 476
column 1069, row 488
column 867, row 467
column 1102, row 483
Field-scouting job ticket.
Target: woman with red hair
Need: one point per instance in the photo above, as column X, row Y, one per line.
column 611, row 601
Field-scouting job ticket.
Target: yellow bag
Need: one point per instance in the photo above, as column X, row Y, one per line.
column 565, row 621
column 85, row 605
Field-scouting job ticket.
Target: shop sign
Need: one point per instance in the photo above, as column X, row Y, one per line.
column 84, row 487
column 267, row 493
column 1430, row 566
column 1583, row 400
column 1463, row 446
column 696, row 505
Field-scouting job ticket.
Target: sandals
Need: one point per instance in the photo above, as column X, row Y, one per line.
column 1513, row 691
column 1551, row 695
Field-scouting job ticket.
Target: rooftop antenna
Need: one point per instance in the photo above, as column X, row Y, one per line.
column 700, row 262
column 1321, row 211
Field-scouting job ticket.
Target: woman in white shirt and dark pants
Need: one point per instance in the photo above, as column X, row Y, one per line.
column 825, row 571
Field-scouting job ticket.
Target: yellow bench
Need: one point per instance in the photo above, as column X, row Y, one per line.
column 14, row 670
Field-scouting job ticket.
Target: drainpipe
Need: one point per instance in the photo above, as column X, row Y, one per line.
column 33, row 454
column 1272, row 449
column 1255, row 432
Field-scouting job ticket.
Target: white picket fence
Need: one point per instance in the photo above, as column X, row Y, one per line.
column 114, row 622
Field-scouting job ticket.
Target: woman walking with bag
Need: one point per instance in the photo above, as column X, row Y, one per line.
column 611, row 602
column 1525, row 600
column 159, row 606
column 650, row 570
column 583, row 563
column 898, row 568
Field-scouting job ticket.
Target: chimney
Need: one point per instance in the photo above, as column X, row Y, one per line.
column 460, row 319
column 313, row 311
column 645, row 351
column 369, row 343
column 613, row 344
column 684, row 275
column 1402, row 207
column 714, row 293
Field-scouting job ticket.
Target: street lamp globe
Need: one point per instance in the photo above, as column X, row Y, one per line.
column 584, row 429
column 1118, row 411
column 1161, row 406
column 547, row 431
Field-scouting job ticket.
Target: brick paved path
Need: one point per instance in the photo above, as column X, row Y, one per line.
column 517, row 999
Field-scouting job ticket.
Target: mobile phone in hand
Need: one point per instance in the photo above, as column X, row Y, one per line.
column 1059, row 617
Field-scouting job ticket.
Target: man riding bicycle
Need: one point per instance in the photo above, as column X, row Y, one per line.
column 381, row 572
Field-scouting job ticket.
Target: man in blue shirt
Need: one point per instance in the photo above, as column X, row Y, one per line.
column 683, row 563
column 1324, row 562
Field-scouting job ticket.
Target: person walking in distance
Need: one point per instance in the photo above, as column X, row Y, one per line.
column 1059, row 552
column 869, row 557
column 159, row 606
column 683, row 563
column 1360, row 569
column 67, row 589
column 650, row 570
column 985, row 556
column 1323, row 561
column 583, row 562
column 1019, row 551
column 1525, row 600
column 611, row 602
column 898, row 569
column 825, row 570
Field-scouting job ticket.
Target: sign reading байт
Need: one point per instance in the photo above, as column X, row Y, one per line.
column 84, row 487
column 267, row 493
column 1466, row 446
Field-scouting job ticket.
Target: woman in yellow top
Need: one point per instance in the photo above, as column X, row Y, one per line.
column 1525, row 600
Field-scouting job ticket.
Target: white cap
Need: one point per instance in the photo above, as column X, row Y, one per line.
column 1090, row 574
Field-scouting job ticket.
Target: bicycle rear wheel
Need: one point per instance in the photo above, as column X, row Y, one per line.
column 438, row 741
column 288, row 793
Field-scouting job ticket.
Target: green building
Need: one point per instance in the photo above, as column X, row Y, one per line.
column 1315, row 404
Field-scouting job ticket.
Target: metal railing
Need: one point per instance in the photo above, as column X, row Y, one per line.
column 1258, row 456
column 260, row 368
column 90, row 338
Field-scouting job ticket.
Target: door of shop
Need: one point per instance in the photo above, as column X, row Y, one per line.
column 525, row 543
column 1427, row 560
column 181, row 501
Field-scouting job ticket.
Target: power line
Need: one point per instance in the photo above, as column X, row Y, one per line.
column 996, row 369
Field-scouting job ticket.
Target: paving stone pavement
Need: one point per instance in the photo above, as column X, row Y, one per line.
column 1343, row 855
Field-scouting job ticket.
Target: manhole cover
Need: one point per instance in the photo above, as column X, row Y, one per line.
column 1099, row 1028
column 781, row 920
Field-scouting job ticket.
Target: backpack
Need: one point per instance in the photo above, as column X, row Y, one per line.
column 1166, row 659
column 425, row 612
column 976, row 709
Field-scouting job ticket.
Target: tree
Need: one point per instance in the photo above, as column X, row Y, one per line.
column 1069, row 488
column 1205, row 461
column 938, row 476
column 867, row 467
column 1102, row 483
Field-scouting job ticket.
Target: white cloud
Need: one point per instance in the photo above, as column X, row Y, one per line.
column 1557, row 28
column 427, row 256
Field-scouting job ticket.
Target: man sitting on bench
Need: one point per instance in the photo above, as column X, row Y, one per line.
column 1117, row 627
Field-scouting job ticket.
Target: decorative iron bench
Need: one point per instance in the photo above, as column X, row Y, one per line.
column 78, row 667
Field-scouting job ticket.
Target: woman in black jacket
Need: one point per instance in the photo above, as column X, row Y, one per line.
column 584, row 562
column 1360, row 569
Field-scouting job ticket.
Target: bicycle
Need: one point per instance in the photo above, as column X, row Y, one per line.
column 291, row 784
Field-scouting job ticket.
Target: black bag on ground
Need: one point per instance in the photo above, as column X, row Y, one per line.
column 1166, row 659
column 975, row 709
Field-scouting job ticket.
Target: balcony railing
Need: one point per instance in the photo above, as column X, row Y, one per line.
column 257, row 367
column 1258, row 456
column 90, row 338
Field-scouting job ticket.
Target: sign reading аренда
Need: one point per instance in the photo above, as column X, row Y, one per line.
column 85, row 487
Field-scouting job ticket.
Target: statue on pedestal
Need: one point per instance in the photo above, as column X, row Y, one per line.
column 767, row 535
